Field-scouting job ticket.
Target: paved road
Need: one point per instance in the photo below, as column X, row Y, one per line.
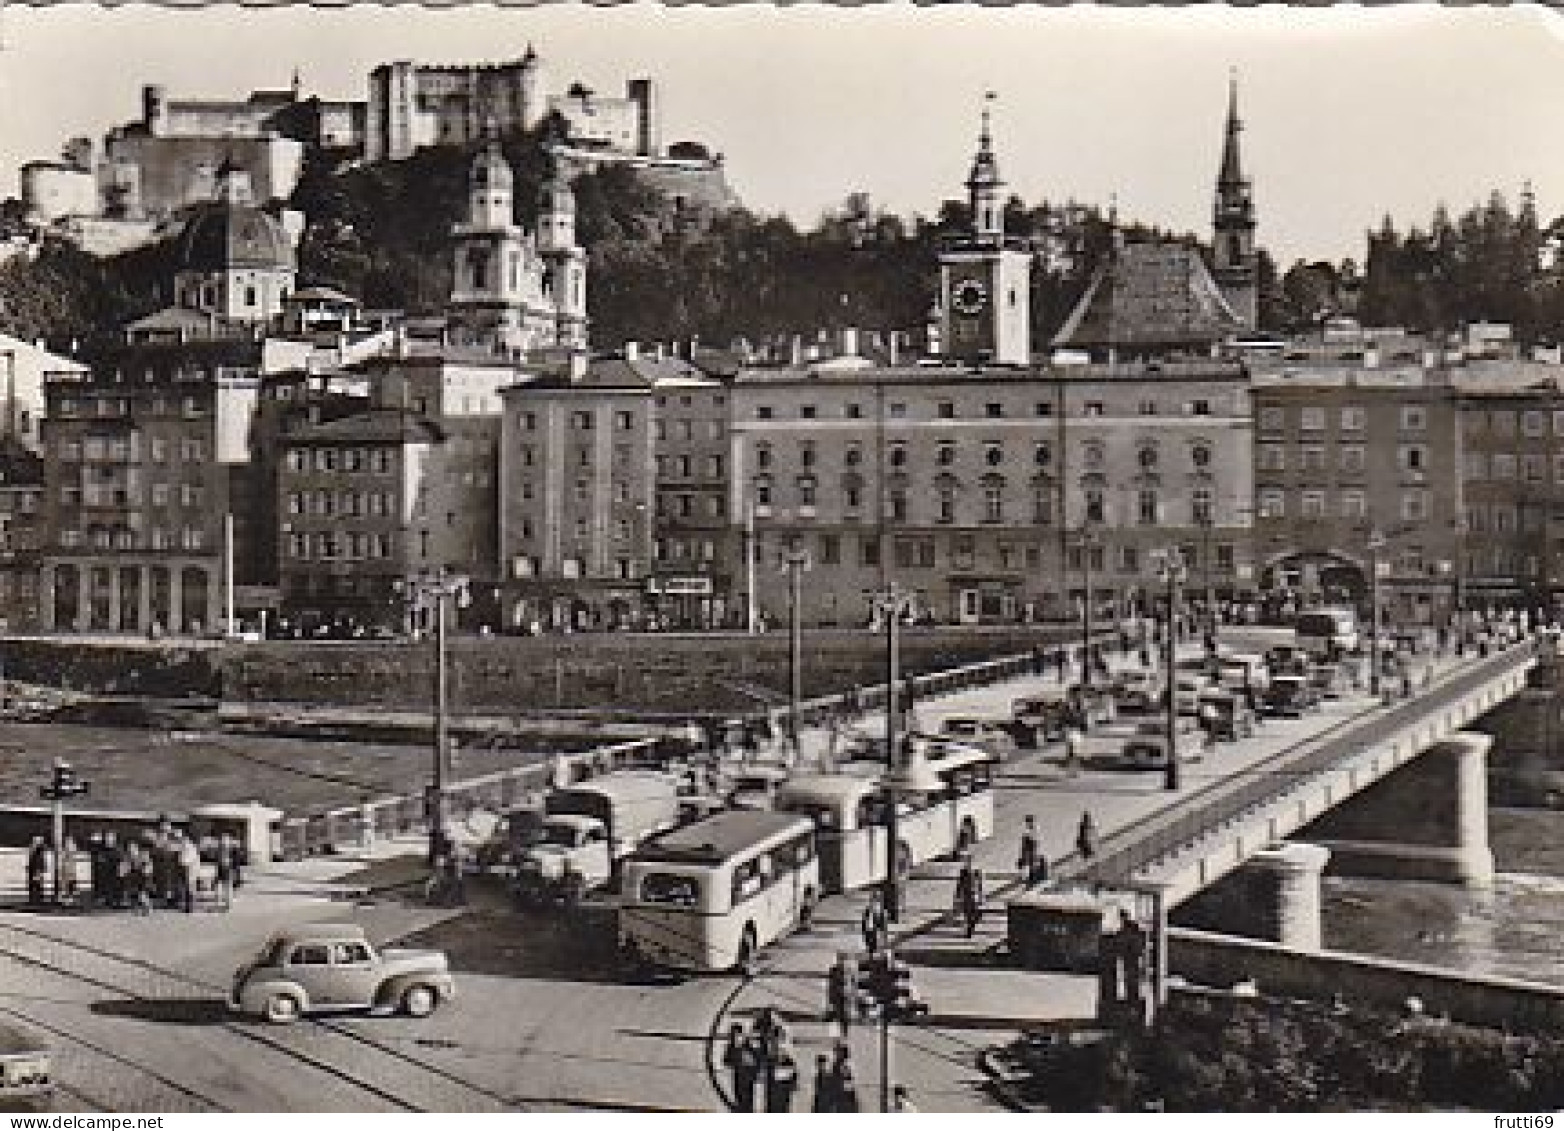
column 545, row 1019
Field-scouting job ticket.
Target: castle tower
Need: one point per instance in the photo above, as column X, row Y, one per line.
column 1233, row 224
column 489, row 254
column 534, row 99
column 985, row 279
column 566, row 261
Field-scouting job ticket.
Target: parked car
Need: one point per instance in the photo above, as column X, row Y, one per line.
column 1289, row 696
column 1242, row 671
column 1041, row 715
column 1146, row 747
column 1226, row 715
column 753, row 786
column 332, row 966
column 1287, row 659
column 993, row 735
column 1329, row 680
column 569, row 857
column 1137, row 691
column 25, row 1066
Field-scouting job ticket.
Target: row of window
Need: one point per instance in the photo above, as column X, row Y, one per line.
column 1350, row 458
column 1503, row 466
column 334, row 546
column 584, row 420
column 190, row 407
column 1503, row 422
column 377, row 460
column 1350, row 503
column 684, row 506
column 524, row 566
column 897, row 453
column 992, row 410
column 124, row 449
column 683, row 467
column 1349, row 418
column 349, row 504
column 685, row 429
column 582, row 495
column 157, row 538
column 129, row 495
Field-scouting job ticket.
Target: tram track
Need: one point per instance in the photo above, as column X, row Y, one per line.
column 383, row 1074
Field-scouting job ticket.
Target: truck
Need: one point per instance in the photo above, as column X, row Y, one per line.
column 588, row 828
column 25, row 1063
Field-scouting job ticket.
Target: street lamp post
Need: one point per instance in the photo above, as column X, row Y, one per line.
column 1089, row 540
column 1205, row 520
column 795, row 561
column 432, row 592
column 1376, row 543
column 892, row 603
column 63, row 785
column 1172, row 572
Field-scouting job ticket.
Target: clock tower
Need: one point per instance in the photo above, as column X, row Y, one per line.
column 986, row 279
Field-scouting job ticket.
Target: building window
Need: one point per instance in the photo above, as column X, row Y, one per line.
column 1477, row 466
column 1312, row 458
column 1311, row 419
column 1146, row 508
column 1534, row 469
column 1414, row 418
column 1534, row 423
column 1043, row 408
column 1129, row 559
column 1273, row 418
column 853, row 412
column 1273, row 457
column 853, row 456
column 1092, row 454
column 947, row 504
column 1146, row 457
column 1095, row 510
column 763, row 456
column 1354, row 504
column 1043, row 455
column 1352, row 459
column 898, row 455
column 1148, row 408
column 1273, row 504
column 1501, row 422
column 1312, row 504
column 1200, row 506
column 1352, row 418
column 806, row 491
column 581, row 421
column 945, row 454
column 869, row 551
column 1042, row 506
column 993, row 455
column 624, row 421
column 898, row 500
column 1093, row 408
column 806, row 454
column 994, row 503
column 1504, row 467
column 898, row 410
column 806, row 412
column 994, row 410
column 830, row 549
column 963, row 551
column 946, row 410
column 1412, row 457
column 1414, row 506
column 853, row 498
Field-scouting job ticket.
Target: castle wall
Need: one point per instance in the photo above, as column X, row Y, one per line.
column 171, row 173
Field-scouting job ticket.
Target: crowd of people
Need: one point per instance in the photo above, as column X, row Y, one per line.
column 158, row 867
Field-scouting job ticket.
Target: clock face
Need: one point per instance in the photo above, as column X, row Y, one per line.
column 970, row 296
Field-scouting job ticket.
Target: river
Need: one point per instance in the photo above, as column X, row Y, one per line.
column 1515, row 930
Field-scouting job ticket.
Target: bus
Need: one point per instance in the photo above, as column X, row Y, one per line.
column 1330, row 632
column 708, row 896
column 849, row 810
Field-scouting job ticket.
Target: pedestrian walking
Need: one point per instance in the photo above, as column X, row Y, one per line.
column 875, row 924
column 189, row 878
column 227, row 866
column 137, row 878
column 841, row 992
column 969, row 896
column 1074, row 739
column 1086, row 836
column 1031, row 863
column 113, row 861
column 769, row 1033
column 824, row 1097
column 97, row 886
column 37, row 870
column 1038, row 662
column 845, row 1086
column 69, row 858
column 742, row 1058
column 781, row 1076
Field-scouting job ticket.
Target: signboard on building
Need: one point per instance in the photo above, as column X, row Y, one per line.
column 680, row 586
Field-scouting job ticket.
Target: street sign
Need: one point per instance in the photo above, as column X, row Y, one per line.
column 680, row 586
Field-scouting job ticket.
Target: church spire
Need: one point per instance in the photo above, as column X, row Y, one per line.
column 984, row 183
column 1233, row 221
column 1232, row 169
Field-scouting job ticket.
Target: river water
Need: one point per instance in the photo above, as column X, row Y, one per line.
column 1516, row 930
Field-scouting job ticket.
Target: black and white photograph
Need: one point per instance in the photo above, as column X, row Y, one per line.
column 761, row 558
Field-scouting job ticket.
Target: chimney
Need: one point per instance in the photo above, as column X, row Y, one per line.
column 850, row 341
column 578, row 365
column 632, row 351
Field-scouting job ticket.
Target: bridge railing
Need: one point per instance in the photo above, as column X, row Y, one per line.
column 1242, row 796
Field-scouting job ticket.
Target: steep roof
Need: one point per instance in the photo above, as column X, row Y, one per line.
column 373, row 426
column 1150, row 294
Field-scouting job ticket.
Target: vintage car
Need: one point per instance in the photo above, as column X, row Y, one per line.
column 1288, row 697
column 1146, row 747
column 324, row 967
column 997, row 736
column 1226, row 715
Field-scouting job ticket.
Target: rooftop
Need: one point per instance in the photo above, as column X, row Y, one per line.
column 1150, row 294
column 372, row 426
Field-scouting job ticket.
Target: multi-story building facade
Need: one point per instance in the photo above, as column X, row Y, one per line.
column 21, row 535
column 1354, row 465
column 578, row 495
column 994, row 494
column 139, row 458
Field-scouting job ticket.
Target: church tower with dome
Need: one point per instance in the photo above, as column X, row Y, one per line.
column 235, row 261
column 514, row 290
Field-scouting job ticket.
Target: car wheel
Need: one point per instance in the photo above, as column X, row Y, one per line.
column 281, row 1009
column 420, row 1001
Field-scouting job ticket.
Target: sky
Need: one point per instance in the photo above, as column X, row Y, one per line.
column 1349, row 113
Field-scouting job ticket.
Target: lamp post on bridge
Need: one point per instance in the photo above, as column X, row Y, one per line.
column 795, row 561
column 426, row 592
column 1376, row 543
column 1172, row 572
column 1089, row 539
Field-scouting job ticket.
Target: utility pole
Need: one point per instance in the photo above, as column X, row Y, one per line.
column 887, row 989
column 430, row 592
column 1376, row 543
column 1088, row 541
column 1171, row 571
column 796, row 561
column 892, row 603
column 751, row 621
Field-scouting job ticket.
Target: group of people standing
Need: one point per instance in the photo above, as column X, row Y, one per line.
column 161, row 867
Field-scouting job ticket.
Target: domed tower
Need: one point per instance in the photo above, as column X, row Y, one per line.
column 1233, row 222
column 985, row 279
column 235, row 261
column 565, row 259
column 491, row 190
column 492, row 256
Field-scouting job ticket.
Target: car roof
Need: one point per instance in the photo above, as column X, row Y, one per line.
column 321, row 932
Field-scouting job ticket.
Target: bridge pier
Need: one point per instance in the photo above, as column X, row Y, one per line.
column 1274, row 896
column 1426, row 821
